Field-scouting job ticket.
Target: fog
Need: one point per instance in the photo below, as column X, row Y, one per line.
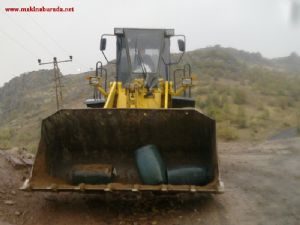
column 271, row 27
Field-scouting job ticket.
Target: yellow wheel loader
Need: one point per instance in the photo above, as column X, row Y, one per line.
column 141, row 132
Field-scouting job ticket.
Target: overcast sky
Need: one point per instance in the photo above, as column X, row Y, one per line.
column 264, row 26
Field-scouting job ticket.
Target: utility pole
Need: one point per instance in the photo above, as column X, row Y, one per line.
column 57, row 80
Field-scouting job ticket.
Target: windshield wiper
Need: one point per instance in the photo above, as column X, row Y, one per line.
column 139, row 57
column 140, row 60
column 142, row 63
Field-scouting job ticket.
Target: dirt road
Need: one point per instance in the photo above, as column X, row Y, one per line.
column 262, row 186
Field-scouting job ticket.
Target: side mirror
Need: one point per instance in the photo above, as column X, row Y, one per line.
column 181, row 45
column 103, row 44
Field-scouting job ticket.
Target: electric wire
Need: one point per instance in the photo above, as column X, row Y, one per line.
column 18, row 43
column 47, row 34
column 58, row 45
column 50, row 37
column 30, row 35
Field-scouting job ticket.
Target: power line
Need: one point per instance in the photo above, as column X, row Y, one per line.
column 50, row 36
column 45, row 31
column 57, row 80
column 52, row 39
column 30, row 35
column 19, row 43
column 37, row 41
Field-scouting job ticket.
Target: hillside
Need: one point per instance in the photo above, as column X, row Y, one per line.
column 290, row 63
column 27, row 99
column 250, row 96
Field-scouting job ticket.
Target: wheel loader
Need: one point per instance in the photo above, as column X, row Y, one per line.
column 140, row 131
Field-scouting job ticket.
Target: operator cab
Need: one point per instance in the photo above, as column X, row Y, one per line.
column 142, row 53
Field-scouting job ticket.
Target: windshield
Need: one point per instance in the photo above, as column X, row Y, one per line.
column 144, row 50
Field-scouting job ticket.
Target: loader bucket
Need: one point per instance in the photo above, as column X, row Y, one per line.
column 101, row 145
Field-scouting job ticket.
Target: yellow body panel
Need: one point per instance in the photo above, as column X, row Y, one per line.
column 138, row 100
column 111, row 97
column 135, row 95
column 102, row 91
column 166, row 95
column 121, row 97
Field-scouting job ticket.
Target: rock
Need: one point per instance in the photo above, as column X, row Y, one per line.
column 28, row 162
column 9, row 202
column 13, row 192
column 17, row 213
column 19, row 158
column 16, row 162
column 14, row 150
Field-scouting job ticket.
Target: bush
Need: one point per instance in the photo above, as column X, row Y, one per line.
column 226, row 110
column 5, row 134
column 265, row 115
column 227, row 132
column 240, row 97
column 5, row 137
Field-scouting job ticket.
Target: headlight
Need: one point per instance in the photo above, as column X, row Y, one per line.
column 118, row 31
column 187, row 82
column 169, row 32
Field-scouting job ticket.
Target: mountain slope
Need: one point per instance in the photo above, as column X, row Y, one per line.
column 291, row 62
column 251, row 97
column 27, row 99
